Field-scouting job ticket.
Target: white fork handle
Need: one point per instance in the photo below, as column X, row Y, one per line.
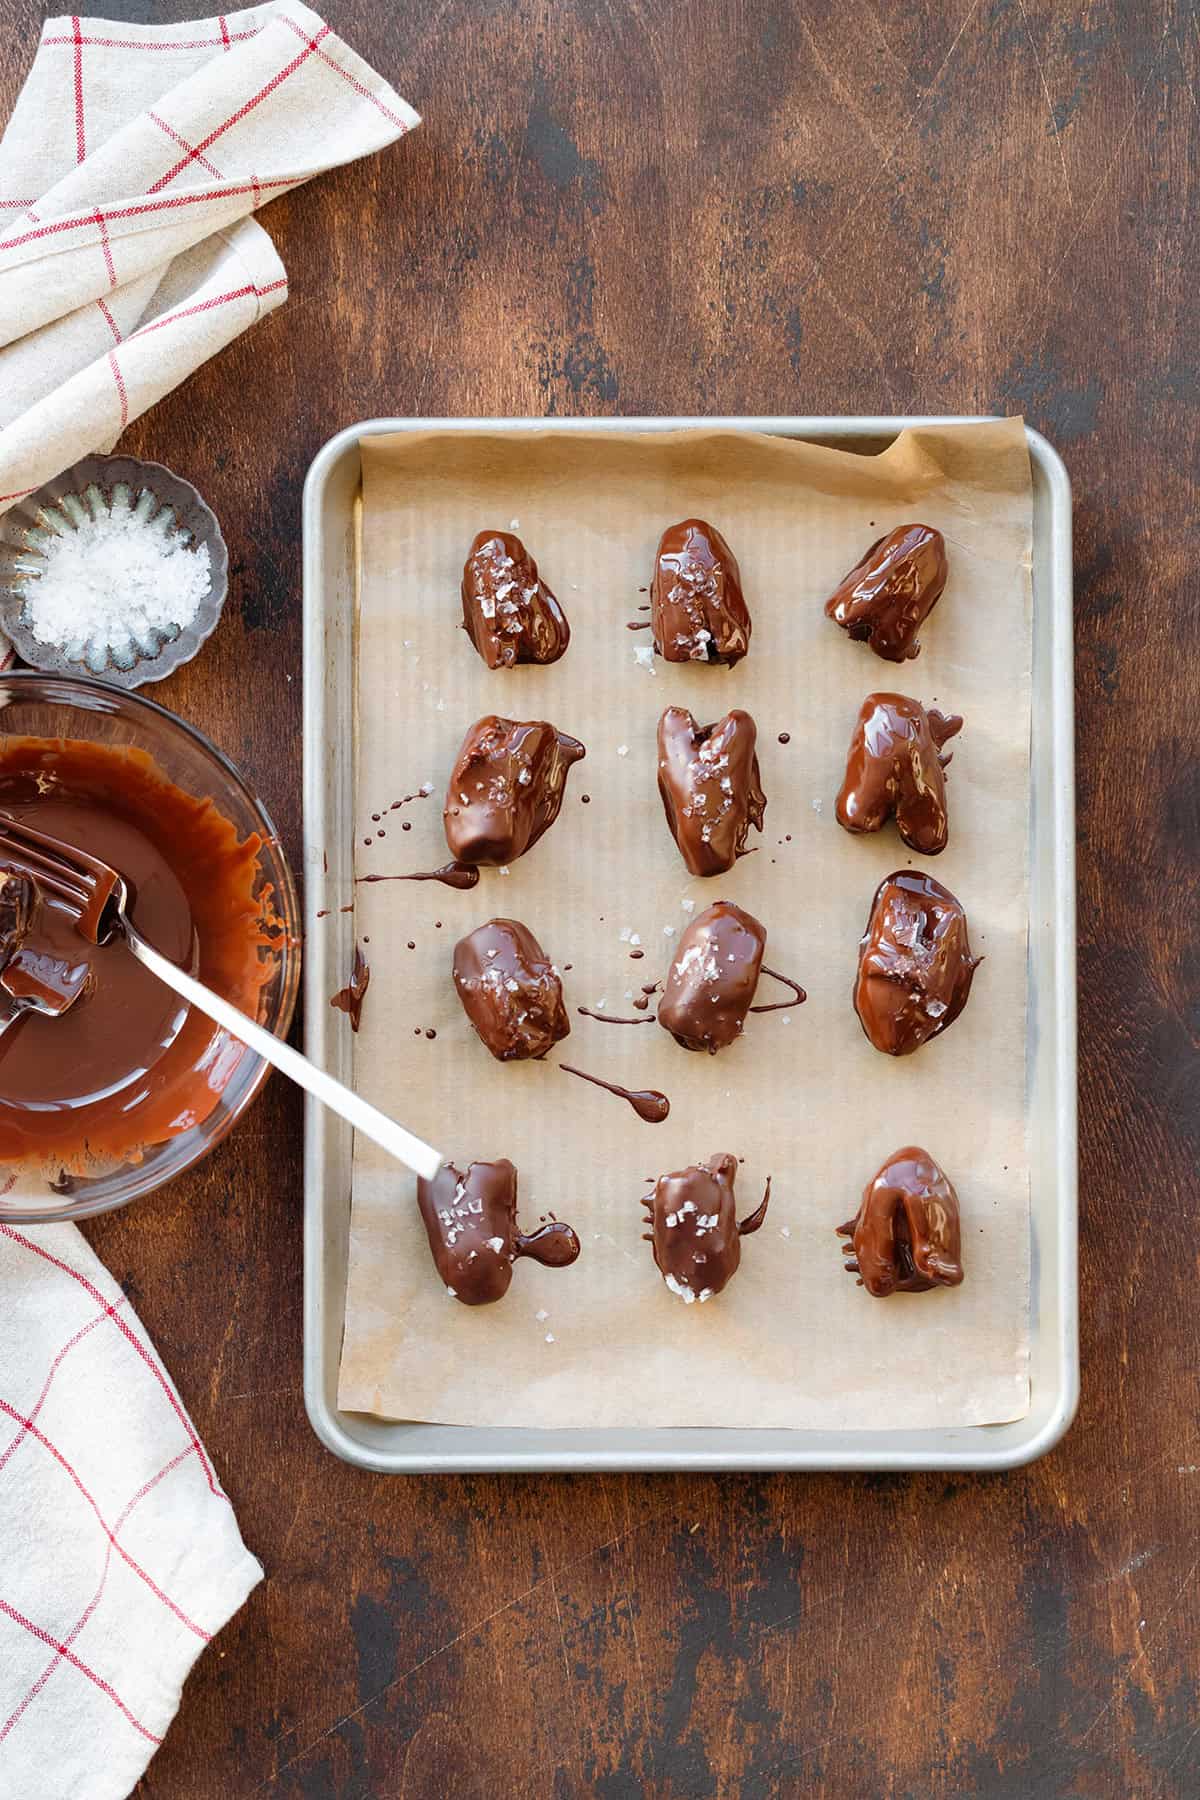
column 364, row 1117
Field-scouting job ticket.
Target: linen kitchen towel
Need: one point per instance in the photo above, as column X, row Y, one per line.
column 129, row 169
column 122, row 1554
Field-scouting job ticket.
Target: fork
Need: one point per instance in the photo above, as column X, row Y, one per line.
column 99, row 899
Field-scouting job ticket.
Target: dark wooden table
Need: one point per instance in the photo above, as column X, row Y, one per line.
column 650, row 206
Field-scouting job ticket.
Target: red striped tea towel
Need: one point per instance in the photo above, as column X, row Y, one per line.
column 128, row 171
column 121, row 1553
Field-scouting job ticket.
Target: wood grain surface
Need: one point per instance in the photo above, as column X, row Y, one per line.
column 767, row 206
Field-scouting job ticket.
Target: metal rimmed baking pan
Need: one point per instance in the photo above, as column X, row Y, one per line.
column 331, row 521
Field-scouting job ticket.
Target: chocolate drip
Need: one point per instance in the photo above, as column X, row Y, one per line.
column 647, row 1103
column 451, row 875
column 798, row 994
column 554, row 1245
column 350, row 998
column 611, row 1018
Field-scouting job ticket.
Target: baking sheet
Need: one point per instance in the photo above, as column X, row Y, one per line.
column 792, row 1342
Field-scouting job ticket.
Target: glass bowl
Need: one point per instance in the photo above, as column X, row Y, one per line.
column 59, row 706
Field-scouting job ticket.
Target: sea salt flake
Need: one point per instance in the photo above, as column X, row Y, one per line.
column 816, row 805
column 622, row 749
column 549, row 1337
column 496, row 1244
column 643, row 656
column 541, row 1315
column 119, row 583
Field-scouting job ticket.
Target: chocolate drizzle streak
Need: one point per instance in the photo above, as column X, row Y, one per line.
column 798, row 994
column 451, row 875
column 611, row 1018
column 647, row 1103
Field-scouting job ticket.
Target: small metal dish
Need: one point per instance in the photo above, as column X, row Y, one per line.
column 60, row 506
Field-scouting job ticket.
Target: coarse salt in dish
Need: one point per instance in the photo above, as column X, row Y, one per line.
column 124, row 580
column 116, row 569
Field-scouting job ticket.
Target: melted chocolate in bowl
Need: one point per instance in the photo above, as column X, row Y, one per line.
column 129, row 1066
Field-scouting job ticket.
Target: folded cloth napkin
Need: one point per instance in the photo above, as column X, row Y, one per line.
column 128, row 171
column 122, row 1553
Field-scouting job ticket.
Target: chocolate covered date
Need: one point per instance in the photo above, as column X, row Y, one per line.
column 510, row 614
column 510, row 990
column 915, row 965
column 471, row 1222
column 895, row 766
column 16, row 910
column 906, row 1235
column 712, row 978
column 506, row 788
column 710, row 786
column 697, row 608
column 888, row 594
column 694, row 1232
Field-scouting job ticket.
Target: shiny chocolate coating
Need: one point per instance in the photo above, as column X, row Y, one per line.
column 914, row 965
column 711, row 790
column 510, row 614
column 471, row 1222
column 694, row 1233
column 895, row 765
column 905, row 1237
column 697, row 608
column 506, row 788
column 17, row 900
column 887, row 595
column 712, row 978
column 510, row 990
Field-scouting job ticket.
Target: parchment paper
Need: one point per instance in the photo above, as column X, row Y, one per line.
column 803, row 1096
